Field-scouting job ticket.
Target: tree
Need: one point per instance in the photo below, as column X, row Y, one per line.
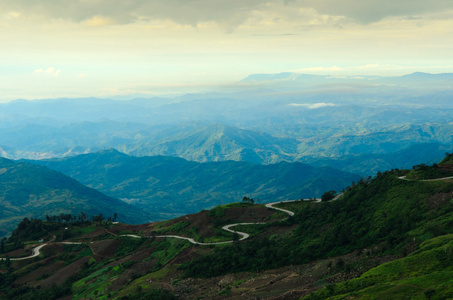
column 99, row 218
column 7, row 262
column 2, row 245
column 84, row 216
column 248, row 200
column 327, row 196
column 115, row 215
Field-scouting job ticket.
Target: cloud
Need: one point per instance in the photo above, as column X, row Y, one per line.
column 368, row 11
column 49, row 71
column 371, row 69
column 312, row 105
column 322, row 70
column 98, row 21
column 227, row 13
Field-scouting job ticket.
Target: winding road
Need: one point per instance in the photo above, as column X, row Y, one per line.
column 437, row 179
column 36, row 250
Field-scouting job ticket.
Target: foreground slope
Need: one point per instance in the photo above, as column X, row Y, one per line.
column 385, row 237
column 174, row 185
column 34, row 191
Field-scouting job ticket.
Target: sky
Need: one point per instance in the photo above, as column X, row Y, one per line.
column 103, row 48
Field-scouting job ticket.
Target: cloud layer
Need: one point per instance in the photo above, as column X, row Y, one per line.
column 224, row 12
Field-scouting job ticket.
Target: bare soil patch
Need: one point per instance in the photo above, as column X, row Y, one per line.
column 105, row 248
column 44, row 271
column 438, row 200
column 60, row 276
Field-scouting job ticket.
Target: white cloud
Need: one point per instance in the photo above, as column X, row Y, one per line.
column 51, row 71
column 312, row 105
column 318, row 70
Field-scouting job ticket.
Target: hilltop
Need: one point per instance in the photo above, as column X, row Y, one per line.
column 381, row 235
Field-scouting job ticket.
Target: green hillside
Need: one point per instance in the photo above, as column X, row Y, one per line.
column 427, row 273
column 384, row 238
column 386, row 214
column 34, row 191
column 173, row 185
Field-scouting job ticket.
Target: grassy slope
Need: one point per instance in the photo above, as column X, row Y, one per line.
column 386, row 214
column 426, row 273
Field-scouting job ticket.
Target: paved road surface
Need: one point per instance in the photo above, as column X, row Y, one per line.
column 36, row 250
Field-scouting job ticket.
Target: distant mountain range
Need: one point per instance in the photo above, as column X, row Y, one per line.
column 28, row 190
column 365, row 164
column 170, row 185
column 443, row 79
column 207, row 142
column 215, row 142
column 265, row 119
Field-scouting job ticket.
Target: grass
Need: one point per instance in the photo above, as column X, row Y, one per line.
column 427, row 273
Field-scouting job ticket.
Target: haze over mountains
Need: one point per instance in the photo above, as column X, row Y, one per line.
column 263, row 119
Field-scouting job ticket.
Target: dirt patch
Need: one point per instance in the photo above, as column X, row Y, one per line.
column 98, row 232
column 43, row 272
column 60, row 276
column 19, row 252
column 105, row 248
column 52, row 249
column 203, row 223
column 438, row 200
column 291, row 282
column 131, row 228
column 185, row 255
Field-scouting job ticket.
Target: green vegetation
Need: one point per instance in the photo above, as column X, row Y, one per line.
column 128, row 246
column 28, row 190
column 385, row 212
column 171, row 185
column 159, row 294
column 426, row 273
column 327, row 196
column 423, row 172
column 385, row 238
column 443, row 169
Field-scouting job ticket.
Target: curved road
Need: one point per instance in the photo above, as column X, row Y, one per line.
column 437, row 179
column 36, row 250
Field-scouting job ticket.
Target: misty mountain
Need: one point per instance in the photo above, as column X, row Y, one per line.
column 204, row 141
column 414, row 80
column 366, row 164
column 215, row 142
column 319, row 117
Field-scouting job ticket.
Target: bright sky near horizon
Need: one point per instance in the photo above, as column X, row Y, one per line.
column 73, row 48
